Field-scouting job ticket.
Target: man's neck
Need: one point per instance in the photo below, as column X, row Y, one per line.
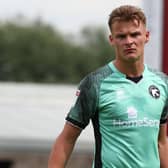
column 130, row 69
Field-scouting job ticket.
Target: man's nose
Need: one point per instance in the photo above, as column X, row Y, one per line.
column 129, row 40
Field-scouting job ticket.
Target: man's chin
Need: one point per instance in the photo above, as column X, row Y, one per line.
column 132, row 58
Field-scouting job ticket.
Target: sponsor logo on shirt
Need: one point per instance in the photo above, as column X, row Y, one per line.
column 133, row 121
column 132, row 112
column 145, row 122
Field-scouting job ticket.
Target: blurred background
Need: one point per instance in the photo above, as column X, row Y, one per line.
column 46, row 48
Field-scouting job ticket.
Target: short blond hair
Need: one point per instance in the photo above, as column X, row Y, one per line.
column 126, row 13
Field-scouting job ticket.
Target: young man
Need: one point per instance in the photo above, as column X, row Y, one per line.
column 126, row 101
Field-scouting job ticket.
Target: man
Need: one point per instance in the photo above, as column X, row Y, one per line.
column 126, row 101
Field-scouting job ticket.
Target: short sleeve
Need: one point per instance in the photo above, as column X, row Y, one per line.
column 164, row 115
column 85, row 105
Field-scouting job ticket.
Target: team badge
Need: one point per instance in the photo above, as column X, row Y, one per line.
column 154, row 91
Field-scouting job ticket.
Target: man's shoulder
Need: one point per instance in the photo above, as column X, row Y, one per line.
column 95, row 77
column 159, row 74
column 101, row 72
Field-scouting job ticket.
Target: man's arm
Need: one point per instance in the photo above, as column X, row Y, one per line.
column 163, row 146
column 63, row 146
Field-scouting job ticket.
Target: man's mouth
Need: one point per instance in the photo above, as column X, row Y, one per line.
column 130, row 50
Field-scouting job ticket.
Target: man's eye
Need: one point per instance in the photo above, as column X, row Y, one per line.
column 121, row 36
column 135, row 34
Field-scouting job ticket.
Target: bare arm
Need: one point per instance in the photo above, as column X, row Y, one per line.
column 63, row 146
column 163, row 146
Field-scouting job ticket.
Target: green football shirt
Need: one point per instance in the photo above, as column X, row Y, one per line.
column 126, row 116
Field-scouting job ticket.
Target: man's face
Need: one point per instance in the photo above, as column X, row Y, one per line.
column 128, row 39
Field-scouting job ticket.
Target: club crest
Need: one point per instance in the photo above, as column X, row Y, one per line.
column 154, row 91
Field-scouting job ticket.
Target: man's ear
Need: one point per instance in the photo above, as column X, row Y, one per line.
column 147, row 36
column 111, row 39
